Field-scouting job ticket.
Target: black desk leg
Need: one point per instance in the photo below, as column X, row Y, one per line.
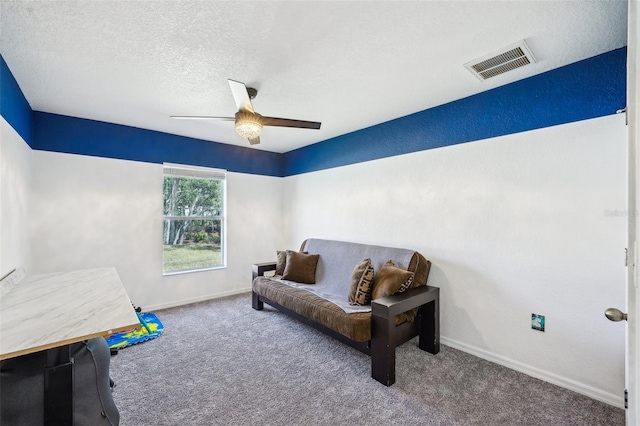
column 58, row 387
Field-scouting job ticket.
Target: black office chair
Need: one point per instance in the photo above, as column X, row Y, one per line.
column 22, row 387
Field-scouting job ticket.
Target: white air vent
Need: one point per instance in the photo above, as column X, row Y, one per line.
column 511, row 57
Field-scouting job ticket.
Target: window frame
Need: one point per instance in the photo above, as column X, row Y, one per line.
column 186, row 171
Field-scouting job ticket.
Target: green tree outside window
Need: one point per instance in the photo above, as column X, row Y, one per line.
column 193, row 223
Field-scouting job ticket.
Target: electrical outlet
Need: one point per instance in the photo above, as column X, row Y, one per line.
column 537, row 322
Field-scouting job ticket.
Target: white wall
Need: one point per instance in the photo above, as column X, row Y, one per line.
column 513, row 225
column 15, row 176
column 90, row 212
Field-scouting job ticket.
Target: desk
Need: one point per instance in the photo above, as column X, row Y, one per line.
column 47, row 311
column 50, row 310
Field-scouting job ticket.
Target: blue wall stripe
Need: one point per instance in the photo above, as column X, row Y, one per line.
column 72, row 135
column 13, row 105
column 586, row 89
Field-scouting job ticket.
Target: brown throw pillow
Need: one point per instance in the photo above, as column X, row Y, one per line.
column 301, row 267
column 361, row 284
column 391, row 280
column 281, row 261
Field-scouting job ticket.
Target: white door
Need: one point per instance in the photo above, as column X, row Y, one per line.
column 632, row 369
column 632, row 361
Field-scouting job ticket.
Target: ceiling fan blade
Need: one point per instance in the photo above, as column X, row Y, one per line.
column 241, row 96
column 201, row 117
column 254, row 141
column 286, row 122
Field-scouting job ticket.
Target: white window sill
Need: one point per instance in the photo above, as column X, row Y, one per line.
column 189, row 271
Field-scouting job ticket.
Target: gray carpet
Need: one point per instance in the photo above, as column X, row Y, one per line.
column 222, row 363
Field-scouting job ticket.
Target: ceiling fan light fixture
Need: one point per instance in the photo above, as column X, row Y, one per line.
column 248, row 124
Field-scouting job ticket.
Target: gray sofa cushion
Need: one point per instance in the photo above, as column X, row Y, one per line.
column 338, row 258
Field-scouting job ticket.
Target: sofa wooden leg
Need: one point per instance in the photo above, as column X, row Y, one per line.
column 429, row 339
column 256, row 303
column 383, row 350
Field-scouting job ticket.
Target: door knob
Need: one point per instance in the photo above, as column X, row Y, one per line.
column 615, row 314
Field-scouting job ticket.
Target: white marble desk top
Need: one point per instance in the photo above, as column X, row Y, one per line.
column 50, row 310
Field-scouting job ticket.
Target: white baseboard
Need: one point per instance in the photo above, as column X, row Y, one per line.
column 181, row 302
column 606, row 397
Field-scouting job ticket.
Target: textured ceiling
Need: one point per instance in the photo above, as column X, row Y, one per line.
column 349, row 65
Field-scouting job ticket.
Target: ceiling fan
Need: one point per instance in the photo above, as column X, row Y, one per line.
column 248, row 122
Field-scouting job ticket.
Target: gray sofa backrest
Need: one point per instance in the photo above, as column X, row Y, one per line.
column 339, row 258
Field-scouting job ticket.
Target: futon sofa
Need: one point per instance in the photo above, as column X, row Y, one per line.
column 331, row 296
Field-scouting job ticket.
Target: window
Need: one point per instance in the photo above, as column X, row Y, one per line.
column 194, row 223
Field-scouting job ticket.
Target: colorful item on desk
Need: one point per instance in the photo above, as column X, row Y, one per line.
column 151, row 327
